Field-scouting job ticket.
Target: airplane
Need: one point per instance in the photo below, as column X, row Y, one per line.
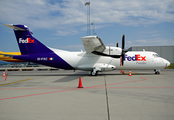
column 96, row 58
column 7, row 56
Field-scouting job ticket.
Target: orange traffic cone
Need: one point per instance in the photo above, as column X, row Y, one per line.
column 3, row 74
column 121, row 71
column 130, row 73
column 80, row 83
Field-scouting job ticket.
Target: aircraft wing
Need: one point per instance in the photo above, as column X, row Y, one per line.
column 93, row 43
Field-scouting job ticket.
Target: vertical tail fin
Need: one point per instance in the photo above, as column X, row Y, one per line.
column 27, row 43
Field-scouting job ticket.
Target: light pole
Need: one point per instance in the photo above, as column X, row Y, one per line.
column 88, row 18
column 93, row 28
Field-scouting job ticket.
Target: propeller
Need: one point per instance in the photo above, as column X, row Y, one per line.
column 123, row 50
column 117, row 44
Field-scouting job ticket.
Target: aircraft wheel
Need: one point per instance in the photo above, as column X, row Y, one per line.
column 93, row 73
column 157, row 72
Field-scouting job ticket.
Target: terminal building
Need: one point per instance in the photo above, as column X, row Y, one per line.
column 166, row 52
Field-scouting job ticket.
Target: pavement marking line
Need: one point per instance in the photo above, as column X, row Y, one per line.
column 137, row 73
column 39, row 94
column 134, row 73
column 137, row 87
column 68, row 89
column 143, row 78
column 118, row 83
column 114, row 84
column 15, row 82
column 35, row 88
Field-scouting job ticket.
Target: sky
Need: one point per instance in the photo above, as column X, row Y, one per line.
column 61, row 23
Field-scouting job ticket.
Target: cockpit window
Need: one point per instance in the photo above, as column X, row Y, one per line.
column 156, row 55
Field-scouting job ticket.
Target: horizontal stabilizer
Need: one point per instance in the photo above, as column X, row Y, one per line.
column 16, row 27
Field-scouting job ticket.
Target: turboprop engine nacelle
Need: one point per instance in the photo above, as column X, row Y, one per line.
column 112, row 50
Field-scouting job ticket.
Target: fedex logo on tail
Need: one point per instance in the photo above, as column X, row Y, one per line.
column 27, row 40
column 137, row 57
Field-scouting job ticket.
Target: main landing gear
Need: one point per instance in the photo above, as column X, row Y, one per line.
column 95, row 71
column 157, row 72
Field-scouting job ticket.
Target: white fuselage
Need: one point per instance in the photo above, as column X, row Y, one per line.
column 132, row 60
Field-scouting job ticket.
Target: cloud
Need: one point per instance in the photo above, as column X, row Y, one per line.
column 65, row 33
column 65, row 14
column 77, row 47
column 134, row 12
column 150, row 42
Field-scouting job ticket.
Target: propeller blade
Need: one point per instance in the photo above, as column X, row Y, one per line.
column 122, row 60
column 123, row 41
column 117, row 44
column 123, row 51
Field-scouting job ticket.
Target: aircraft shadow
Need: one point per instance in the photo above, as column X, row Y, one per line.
column 74, row 76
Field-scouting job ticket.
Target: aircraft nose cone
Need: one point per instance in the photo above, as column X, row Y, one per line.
column 168, row 63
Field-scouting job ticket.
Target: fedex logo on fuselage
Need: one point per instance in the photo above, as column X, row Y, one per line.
column 27, row 40
column 137, row 57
